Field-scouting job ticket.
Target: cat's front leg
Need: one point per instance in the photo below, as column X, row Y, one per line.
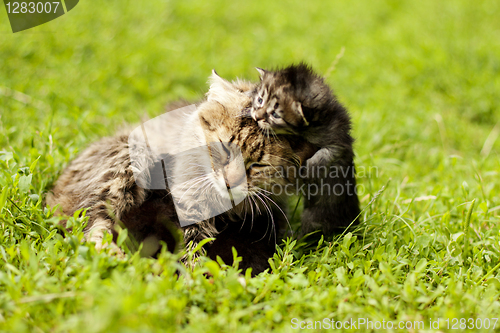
column 96, row 233
column 110, row 209
column 194, row 234
column 331, row 203
column 322, row 157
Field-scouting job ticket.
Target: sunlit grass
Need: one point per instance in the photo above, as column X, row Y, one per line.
column 421, row 80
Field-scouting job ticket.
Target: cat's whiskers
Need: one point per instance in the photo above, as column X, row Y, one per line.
column 245, row 212
column 277, row 206
column 294, row 160
column 257, row 207
column 190, row 182
column 251, row 208
column 272, row 166
column 204, row 181
column 191, row 169
column 270, row 130
column 205, row 190
column 251, row 200
column 186, row 171
column 262, row 132
column 270, row 214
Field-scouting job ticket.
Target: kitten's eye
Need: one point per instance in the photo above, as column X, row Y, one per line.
column 259, row 100
column 275, row 115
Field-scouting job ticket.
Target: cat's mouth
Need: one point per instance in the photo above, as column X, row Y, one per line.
column 263, row 124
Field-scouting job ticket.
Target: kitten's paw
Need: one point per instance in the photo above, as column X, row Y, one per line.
column 324, row 156
column 314, row 160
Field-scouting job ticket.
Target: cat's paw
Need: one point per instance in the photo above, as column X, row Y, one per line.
column 314, row 160
column 97, row 236
column 112, row 248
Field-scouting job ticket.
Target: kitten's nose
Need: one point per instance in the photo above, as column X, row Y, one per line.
column 259, row 114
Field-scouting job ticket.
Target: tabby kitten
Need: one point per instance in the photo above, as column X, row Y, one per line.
column 102, row 179
column 296, row 101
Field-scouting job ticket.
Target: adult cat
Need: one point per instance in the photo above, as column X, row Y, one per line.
column 103, row 180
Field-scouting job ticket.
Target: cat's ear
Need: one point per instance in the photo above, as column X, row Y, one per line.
column 297, row 108
column 261, row 71
column 215, row 79
column 220, row 89
column 218, row 85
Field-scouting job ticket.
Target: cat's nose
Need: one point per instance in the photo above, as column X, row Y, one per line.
column 259, row 114
column 235, row 176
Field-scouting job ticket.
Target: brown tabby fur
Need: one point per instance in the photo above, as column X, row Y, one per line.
column 101, row 179
column 297, row 101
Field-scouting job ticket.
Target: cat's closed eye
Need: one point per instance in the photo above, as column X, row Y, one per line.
column 254, row 165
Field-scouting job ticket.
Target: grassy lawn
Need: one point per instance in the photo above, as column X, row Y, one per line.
column 422, row 82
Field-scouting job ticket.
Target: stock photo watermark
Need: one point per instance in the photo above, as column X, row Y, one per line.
column 206, row 179
column 332, row 180
column 24, row 15
column 363, row 324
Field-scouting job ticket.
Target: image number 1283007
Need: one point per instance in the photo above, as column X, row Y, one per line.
column 28, row 14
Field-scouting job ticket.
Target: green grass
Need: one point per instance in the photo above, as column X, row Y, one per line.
column 422, row 81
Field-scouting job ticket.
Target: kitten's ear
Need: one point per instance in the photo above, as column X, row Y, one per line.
column 261, row 71
column 297, row 108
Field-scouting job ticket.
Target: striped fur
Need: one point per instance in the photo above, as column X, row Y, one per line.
column 297, row 101
column 101, row 180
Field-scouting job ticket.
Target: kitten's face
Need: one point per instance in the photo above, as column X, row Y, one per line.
column 273, row 105
column 241, row 164
column 239, row 148
column 243, row 159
